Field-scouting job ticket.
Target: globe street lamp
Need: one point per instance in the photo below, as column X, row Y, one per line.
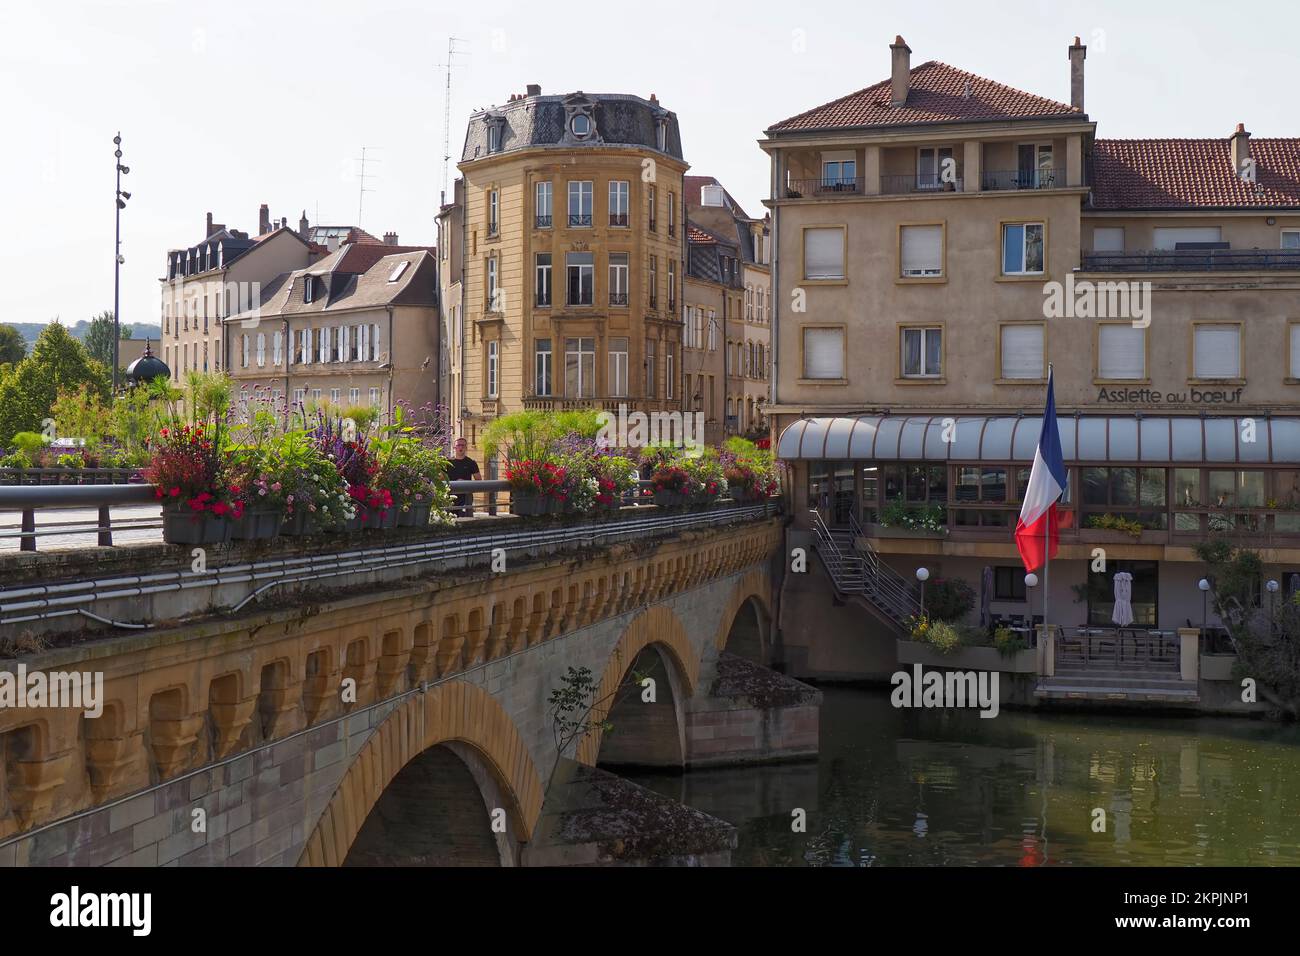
column 1272, row 587
column 1204, row 585
column 923, row 575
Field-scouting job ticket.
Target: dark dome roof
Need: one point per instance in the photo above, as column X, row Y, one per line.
column 147, row 367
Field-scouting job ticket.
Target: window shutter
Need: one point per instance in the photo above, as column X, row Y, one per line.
column 823, row 253
column 1168, row 237
column 922, row 250
column 1022, row 351
column 1217, row 352
column 823, row 353
column 1108, row 239
column 1122, row 351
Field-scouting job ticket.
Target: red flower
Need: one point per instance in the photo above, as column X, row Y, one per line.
column 175, row 493
column 220, row 508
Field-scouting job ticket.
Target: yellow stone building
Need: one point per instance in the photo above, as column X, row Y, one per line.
column 562, row 259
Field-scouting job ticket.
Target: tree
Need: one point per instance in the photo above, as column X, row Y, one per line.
column 126, row 331
column 58, row 363
column 99, row 338
column 13, row 347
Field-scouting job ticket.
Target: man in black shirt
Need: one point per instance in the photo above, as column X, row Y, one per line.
column 463, row 468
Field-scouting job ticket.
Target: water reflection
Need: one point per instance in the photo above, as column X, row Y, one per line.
column 943, row 788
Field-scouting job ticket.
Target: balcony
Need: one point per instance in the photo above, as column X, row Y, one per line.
column 579, row 219
column 898, row 185
column 1193, row 260
column 541, row 222
column 1046, row 178
column 618, row 219
column 543, row 300
column 618, row 298
column 560, row 403
column 809, row 188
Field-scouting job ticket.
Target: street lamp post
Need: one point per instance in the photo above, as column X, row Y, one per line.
column 1272, row 587
column 923, row 575
column 121, row 198
column 1204, row 585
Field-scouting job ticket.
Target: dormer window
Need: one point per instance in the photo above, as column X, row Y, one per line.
column 494, row 137
column 308, row 288
column 580, row 125
column 661, row 135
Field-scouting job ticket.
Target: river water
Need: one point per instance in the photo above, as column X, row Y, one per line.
column 947, row 788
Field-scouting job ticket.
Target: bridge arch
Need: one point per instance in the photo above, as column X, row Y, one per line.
column 455, row 717
column 656, row 642
column 745, row 628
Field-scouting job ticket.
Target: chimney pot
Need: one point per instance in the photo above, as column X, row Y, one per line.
column 901, row 74
column 1077, row 53
column 390, row 238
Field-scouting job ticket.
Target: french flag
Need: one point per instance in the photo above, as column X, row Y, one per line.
column 1037, row 534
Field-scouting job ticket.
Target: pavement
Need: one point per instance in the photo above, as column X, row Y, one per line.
column 73, row 520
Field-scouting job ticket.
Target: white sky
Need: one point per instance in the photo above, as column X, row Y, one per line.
column 226, row 106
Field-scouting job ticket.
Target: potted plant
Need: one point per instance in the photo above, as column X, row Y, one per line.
column 616, row 479
column 351, row 456
column 672, row 485
column 537, row 487
column 708, row 479
column 191, row 481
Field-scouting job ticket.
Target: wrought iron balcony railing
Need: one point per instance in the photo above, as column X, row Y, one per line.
column 834, row 186
column 1193, row 260
column 542, row 222
column 618, row 298
column 1049, row 178
column 618, row 219
column 923, row 183
column 579, row 219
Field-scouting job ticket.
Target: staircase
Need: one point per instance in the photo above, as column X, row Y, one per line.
column 859, row 574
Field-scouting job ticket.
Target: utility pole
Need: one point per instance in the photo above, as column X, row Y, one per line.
column 121, row 199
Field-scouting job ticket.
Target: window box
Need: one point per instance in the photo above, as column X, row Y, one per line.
column 1111, row 536
column 898, row 531
column 259, row 525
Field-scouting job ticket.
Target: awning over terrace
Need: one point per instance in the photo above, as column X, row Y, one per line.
column 1153, row 440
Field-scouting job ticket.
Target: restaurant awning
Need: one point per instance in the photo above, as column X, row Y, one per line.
column 1153, row 440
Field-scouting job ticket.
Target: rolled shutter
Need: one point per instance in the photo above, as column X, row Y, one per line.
column 823, row 353
column 823, row 253
column 922, row 248
column 1122, row 351
column 1217, row 351
column 1022, row 351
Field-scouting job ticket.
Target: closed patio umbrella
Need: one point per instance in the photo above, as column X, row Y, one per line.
column 1123, row 613
column 986, row 594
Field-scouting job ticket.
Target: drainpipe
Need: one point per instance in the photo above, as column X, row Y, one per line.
column 773, row 329
column 287, row 355
column 392, row 358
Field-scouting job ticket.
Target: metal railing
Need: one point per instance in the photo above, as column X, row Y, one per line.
column 894, row 185
column 1193, row 260
column 618, row 298
column 579, row 219
column 618, row 219
column 833, row 186
column 862, row 572
column 1121, row 648
column 68, row 476
column 542, row 222
column 1047, row 178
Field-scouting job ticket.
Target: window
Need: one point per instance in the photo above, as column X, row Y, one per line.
column 494, row 209
column 581, row 270
column 322, row 345
column 580, row 124
column 650, row 204
column 713, row 332
column 668, row 371
column 277, row 348
column 823, row 353
column 1216, row 352
column 922, row 355
column 374, row 397
column 839, row 170
column 649, row 368
column 363, row 343
column 542, row 367
column 580, row 367
column 354, row 343
column 931, row 162
column 618, row 276
column 304, row 345
column 494, row 136
column 345, row 345
column 1294, row 330
column 580, row 203
column 1108, row 239
column 1143, row 597
column 1121, row 352
column 542, row 282
column 1291, row 238
column 493, row 292
column 1034, row 166
column 374, row 343
column 261, row 349
column 543, row 205
column 1008, row 584
column 921, row 251
column 654, row 282
column 1170, row 237
column 492, row 356
column 1137, row 494
column 299, row 397
column 672, row 214
column 1022, row 248
column 315, row 395
column 308, row 288
column 338, row 350
column 243, row 352
column 672, row 285
column 334, row 396
column 398, row 270
column 1022, row 351
column 823, row 252
column 354, row 396
column 618, row 193
column 618, row 366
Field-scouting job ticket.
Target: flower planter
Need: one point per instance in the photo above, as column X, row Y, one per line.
column 1112, row 536
column 702, row 500
column 533, row 505
column 195, row 527
column 897, row 531
column 380, row 520
column 300, row 523
column 672, row 499
column 258, row 525
column 417, row 516
column 746, row 495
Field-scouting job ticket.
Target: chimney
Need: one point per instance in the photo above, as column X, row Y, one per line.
column 654, row 99
column 1239, row 143
column 303, row 226
column 534, row 89
column 263, row 220
column 1078, row 53
column 390, row 238
column 284, row 221
column 332, row 243
column 209, row 229
column 901, row 77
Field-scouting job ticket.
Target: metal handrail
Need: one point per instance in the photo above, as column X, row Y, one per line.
column 864, row 572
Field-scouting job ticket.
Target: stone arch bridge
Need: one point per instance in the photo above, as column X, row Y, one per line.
column 227, row 737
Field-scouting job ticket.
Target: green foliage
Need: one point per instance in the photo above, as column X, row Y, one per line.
column 949, row 599
column 13, row 347
column 943, row 637
column 58, row 363
column 29, row 442
column 1111, row 522
column 17, row 459
column 898, row 515
column 527, row 435
column 1008, row 642
column 83, row 414
column 99, row 338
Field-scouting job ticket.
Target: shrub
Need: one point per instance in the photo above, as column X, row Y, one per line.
column 949, row 599
column 1008, row 642
column 943, row 637
column 541, row 478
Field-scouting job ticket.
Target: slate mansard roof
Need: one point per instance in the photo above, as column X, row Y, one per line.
column 539, row 121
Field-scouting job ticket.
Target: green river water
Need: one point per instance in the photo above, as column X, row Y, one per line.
column 948, row 788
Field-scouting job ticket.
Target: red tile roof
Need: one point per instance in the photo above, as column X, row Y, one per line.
column 696, row 234
column 937, row 94
column 359, row 257
column 1192, row 173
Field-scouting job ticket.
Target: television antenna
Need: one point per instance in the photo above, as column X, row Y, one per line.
column 362, row 190
column 452, row 53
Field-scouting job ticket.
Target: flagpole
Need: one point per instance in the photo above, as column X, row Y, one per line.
column 1047, row 526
